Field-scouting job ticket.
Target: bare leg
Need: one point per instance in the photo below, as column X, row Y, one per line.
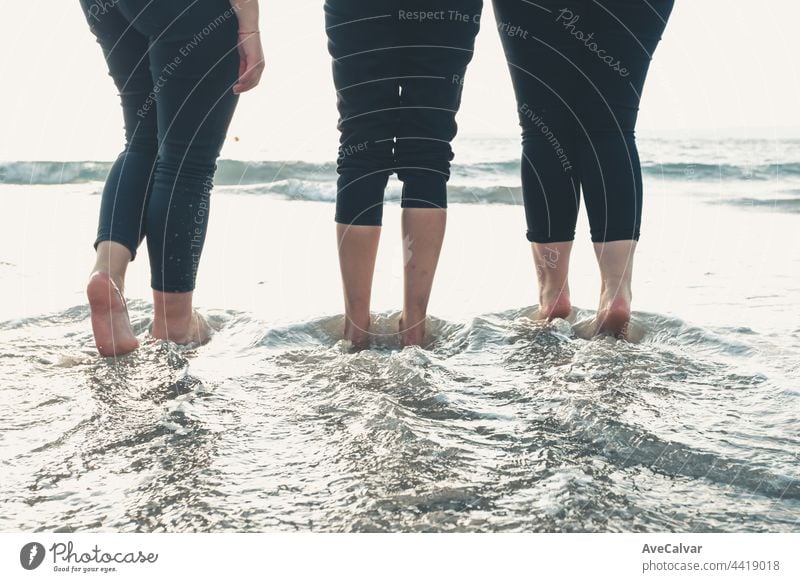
column 423, row 233
column 175, row 320
column 113, row 335
column 552, row 272
column 358, row 249
column 616, row 270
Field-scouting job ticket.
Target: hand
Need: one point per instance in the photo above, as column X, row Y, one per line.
column 251, row 61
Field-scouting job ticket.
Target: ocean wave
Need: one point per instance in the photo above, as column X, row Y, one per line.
column 313, row 191
column 691, row 171
column 780, row 204
column 53, row 172
column 241, row 173
column 229, row 172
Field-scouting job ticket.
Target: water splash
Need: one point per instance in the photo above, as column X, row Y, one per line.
column 501, row 424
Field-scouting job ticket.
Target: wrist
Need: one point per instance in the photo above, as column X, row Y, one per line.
column 247, row 13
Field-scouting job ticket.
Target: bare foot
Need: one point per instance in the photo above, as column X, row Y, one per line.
column 558, row 307
column 614, row 318
column 201, row 330
column 414, row 335
column 194, row 331
column 113, row 335
column 615, row 259
column 357, row 335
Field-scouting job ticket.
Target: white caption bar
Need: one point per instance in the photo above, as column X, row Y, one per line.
column 355, row 557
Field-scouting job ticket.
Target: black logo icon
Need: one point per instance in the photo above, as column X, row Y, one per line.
column 31, row 555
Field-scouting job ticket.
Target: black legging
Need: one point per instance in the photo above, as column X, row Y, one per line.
column 398, row 67
column 174, row 63
column 578, row 69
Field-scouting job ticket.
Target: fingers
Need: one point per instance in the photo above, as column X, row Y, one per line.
column 251, row 66
column 249, row 79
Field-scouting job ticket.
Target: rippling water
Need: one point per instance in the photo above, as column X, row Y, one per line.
column 501, row 424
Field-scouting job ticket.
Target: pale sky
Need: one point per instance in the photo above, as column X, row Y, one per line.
column 723, row 65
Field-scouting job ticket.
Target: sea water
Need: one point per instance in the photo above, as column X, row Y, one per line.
column 499, row 423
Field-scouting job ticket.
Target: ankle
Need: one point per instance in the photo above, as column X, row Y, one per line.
column 414, row 315
column 176, row 329
column 116, row 278
column 173, row 318
column 356, row 326
column 553, row 293
column 412, row 328
column 615, row 288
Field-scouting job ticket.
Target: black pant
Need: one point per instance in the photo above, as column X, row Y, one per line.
column 398, row 67
column 578, row 69
column 174, row 63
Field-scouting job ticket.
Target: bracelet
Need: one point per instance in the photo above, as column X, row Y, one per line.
column 250, row 32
